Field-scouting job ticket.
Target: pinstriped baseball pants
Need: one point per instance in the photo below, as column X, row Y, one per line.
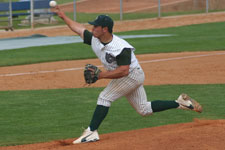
column 132, row 88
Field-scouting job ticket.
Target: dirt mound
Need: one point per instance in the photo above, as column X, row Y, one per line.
column 197, row 135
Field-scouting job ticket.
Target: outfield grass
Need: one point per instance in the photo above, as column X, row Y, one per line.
column 202, row 37
column 45, row 115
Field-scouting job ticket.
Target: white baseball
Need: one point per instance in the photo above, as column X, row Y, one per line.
column 52, row 3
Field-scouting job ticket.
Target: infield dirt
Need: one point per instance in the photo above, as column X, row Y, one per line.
column 196, row 135
column 195, row 68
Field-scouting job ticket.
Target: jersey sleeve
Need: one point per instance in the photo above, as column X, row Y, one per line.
column 87, row 37
column 124, row 58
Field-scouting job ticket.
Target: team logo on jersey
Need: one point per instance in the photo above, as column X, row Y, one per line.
column 109, row 58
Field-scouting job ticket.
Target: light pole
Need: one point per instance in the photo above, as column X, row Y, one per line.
column 32, row 14
column 159, row 9
column 74, row 10
column 121, row 9
column 207, row 6
column 10, row 14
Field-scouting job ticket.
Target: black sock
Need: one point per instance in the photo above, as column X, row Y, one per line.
column 159, row 105
column 99, row 115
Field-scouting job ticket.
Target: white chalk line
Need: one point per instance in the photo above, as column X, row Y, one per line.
column 81, row 68
column 39, row 72
column 177, row 58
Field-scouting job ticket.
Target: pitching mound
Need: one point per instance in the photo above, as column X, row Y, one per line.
column 197, row 135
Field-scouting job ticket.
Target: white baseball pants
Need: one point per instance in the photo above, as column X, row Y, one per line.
column 132, row 88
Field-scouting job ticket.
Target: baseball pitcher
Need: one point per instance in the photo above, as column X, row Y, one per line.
column 123, row 68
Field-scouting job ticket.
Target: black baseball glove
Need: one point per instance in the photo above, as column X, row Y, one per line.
column 91, row 73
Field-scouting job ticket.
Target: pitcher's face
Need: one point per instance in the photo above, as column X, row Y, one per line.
column 98, row 31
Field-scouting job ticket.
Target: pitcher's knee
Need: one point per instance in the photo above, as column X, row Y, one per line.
column 104, row 102
column 145, row 110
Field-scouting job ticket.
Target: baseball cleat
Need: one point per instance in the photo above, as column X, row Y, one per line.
column 187, row 103
column 87, row 136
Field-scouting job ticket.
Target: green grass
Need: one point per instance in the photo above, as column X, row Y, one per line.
column 45, row 54
column 45, row 115
column 202, row 37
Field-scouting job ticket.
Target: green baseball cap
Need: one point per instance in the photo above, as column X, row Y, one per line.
column 104, row 21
